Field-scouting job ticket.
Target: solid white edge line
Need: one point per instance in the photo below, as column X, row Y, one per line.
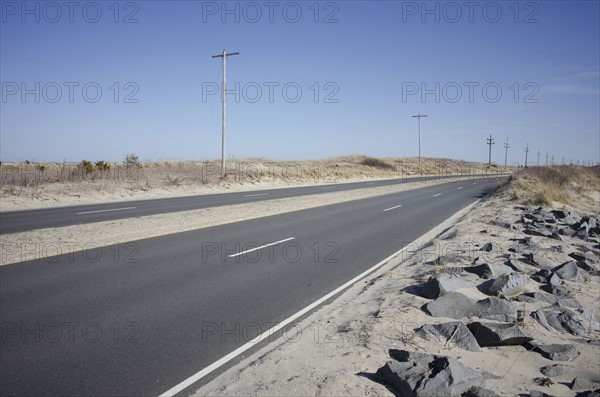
column 392, row 208
column 439, row 194
column 201, row 374
column 328, row 187
column 262, row 246
column 112, row 209
column 256, row 195
column 222, row 361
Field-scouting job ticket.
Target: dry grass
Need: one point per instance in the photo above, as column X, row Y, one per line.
column 552, row 185
column 50, row 180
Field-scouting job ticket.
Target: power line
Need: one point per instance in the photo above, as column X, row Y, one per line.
column 419, row 116
column 224, row 55
column 490, row 142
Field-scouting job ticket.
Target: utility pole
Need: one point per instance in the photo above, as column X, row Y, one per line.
column 419, row 117
column 546, row 159
column 538, row 154
column 506, row 147
column 490, row 142
column 224, row 55
column 526, row 152
column 552, row 161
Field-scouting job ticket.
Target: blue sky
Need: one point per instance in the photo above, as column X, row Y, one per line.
column 526, row 71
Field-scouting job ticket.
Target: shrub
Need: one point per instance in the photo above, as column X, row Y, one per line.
column 131, row 160
column 373, row 162
column 86, row 166
column 102, row 166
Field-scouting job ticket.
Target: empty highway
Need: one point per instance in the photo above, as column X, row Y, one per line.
column 19, row 221
column 140, row 318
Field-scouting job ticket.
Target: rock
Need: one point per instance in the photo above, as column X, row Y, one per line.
column 532, row 297
column 563, row 320
column 592, row 221
column 583, row 231
column 568, row 271
column 556, row 289
column 546, row 276
column 554, row 352
column 581, row 384
column 488, row 270
column 589, row 318
column 587, row 266
column 552, row 371
column 504, row 223
column 452, row 304
column 479, row 261
column 493, row 308
column 456, row 305
column 420, row 374
column 584, row 256
column 572, row 218
column 492, row 334
column 480, row 392
column 567, row 231
column 508, row 284
column 559, row 214
column 455, row 333
column 538, row 260
column 514, row 265
column 442, row 283
column 536, row 231
column 489, row 247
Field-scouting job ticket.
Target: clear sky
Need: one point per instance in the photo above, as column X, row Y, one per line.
column 91, row 80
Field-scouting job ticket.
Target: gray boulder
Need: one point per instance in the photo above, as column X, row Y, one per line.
column 532, row 297
column 536, row 230
column 442, row 283
column 558, row 290
column 508, row 284
column 562, row 320
column 454, row 333
column 572, row 218
column 503, row 222
column 494, row 334
column 568, row 271
column 538, row 260
column 554, row 352
column 567, row 231
column 489, row 247
column 456, row 305
column 584, row 256
column 552, row 371
column 546, row 276
column 419, row 374
column 514, row 265
column 488, row 270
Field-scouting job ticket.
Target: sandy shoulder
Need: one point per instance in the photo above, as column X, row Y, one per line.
column 336, row 349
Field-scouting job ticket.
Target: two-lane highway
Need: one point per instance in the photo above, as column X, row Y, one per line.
column 100, row 324
column 19, row 221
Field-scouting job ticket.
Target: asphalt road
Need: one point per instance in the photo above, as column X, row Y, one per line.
column 139, row 318
column 19, row 221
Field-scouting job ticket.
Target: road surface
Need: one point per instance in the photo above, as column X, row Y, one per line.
column 139, row 318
